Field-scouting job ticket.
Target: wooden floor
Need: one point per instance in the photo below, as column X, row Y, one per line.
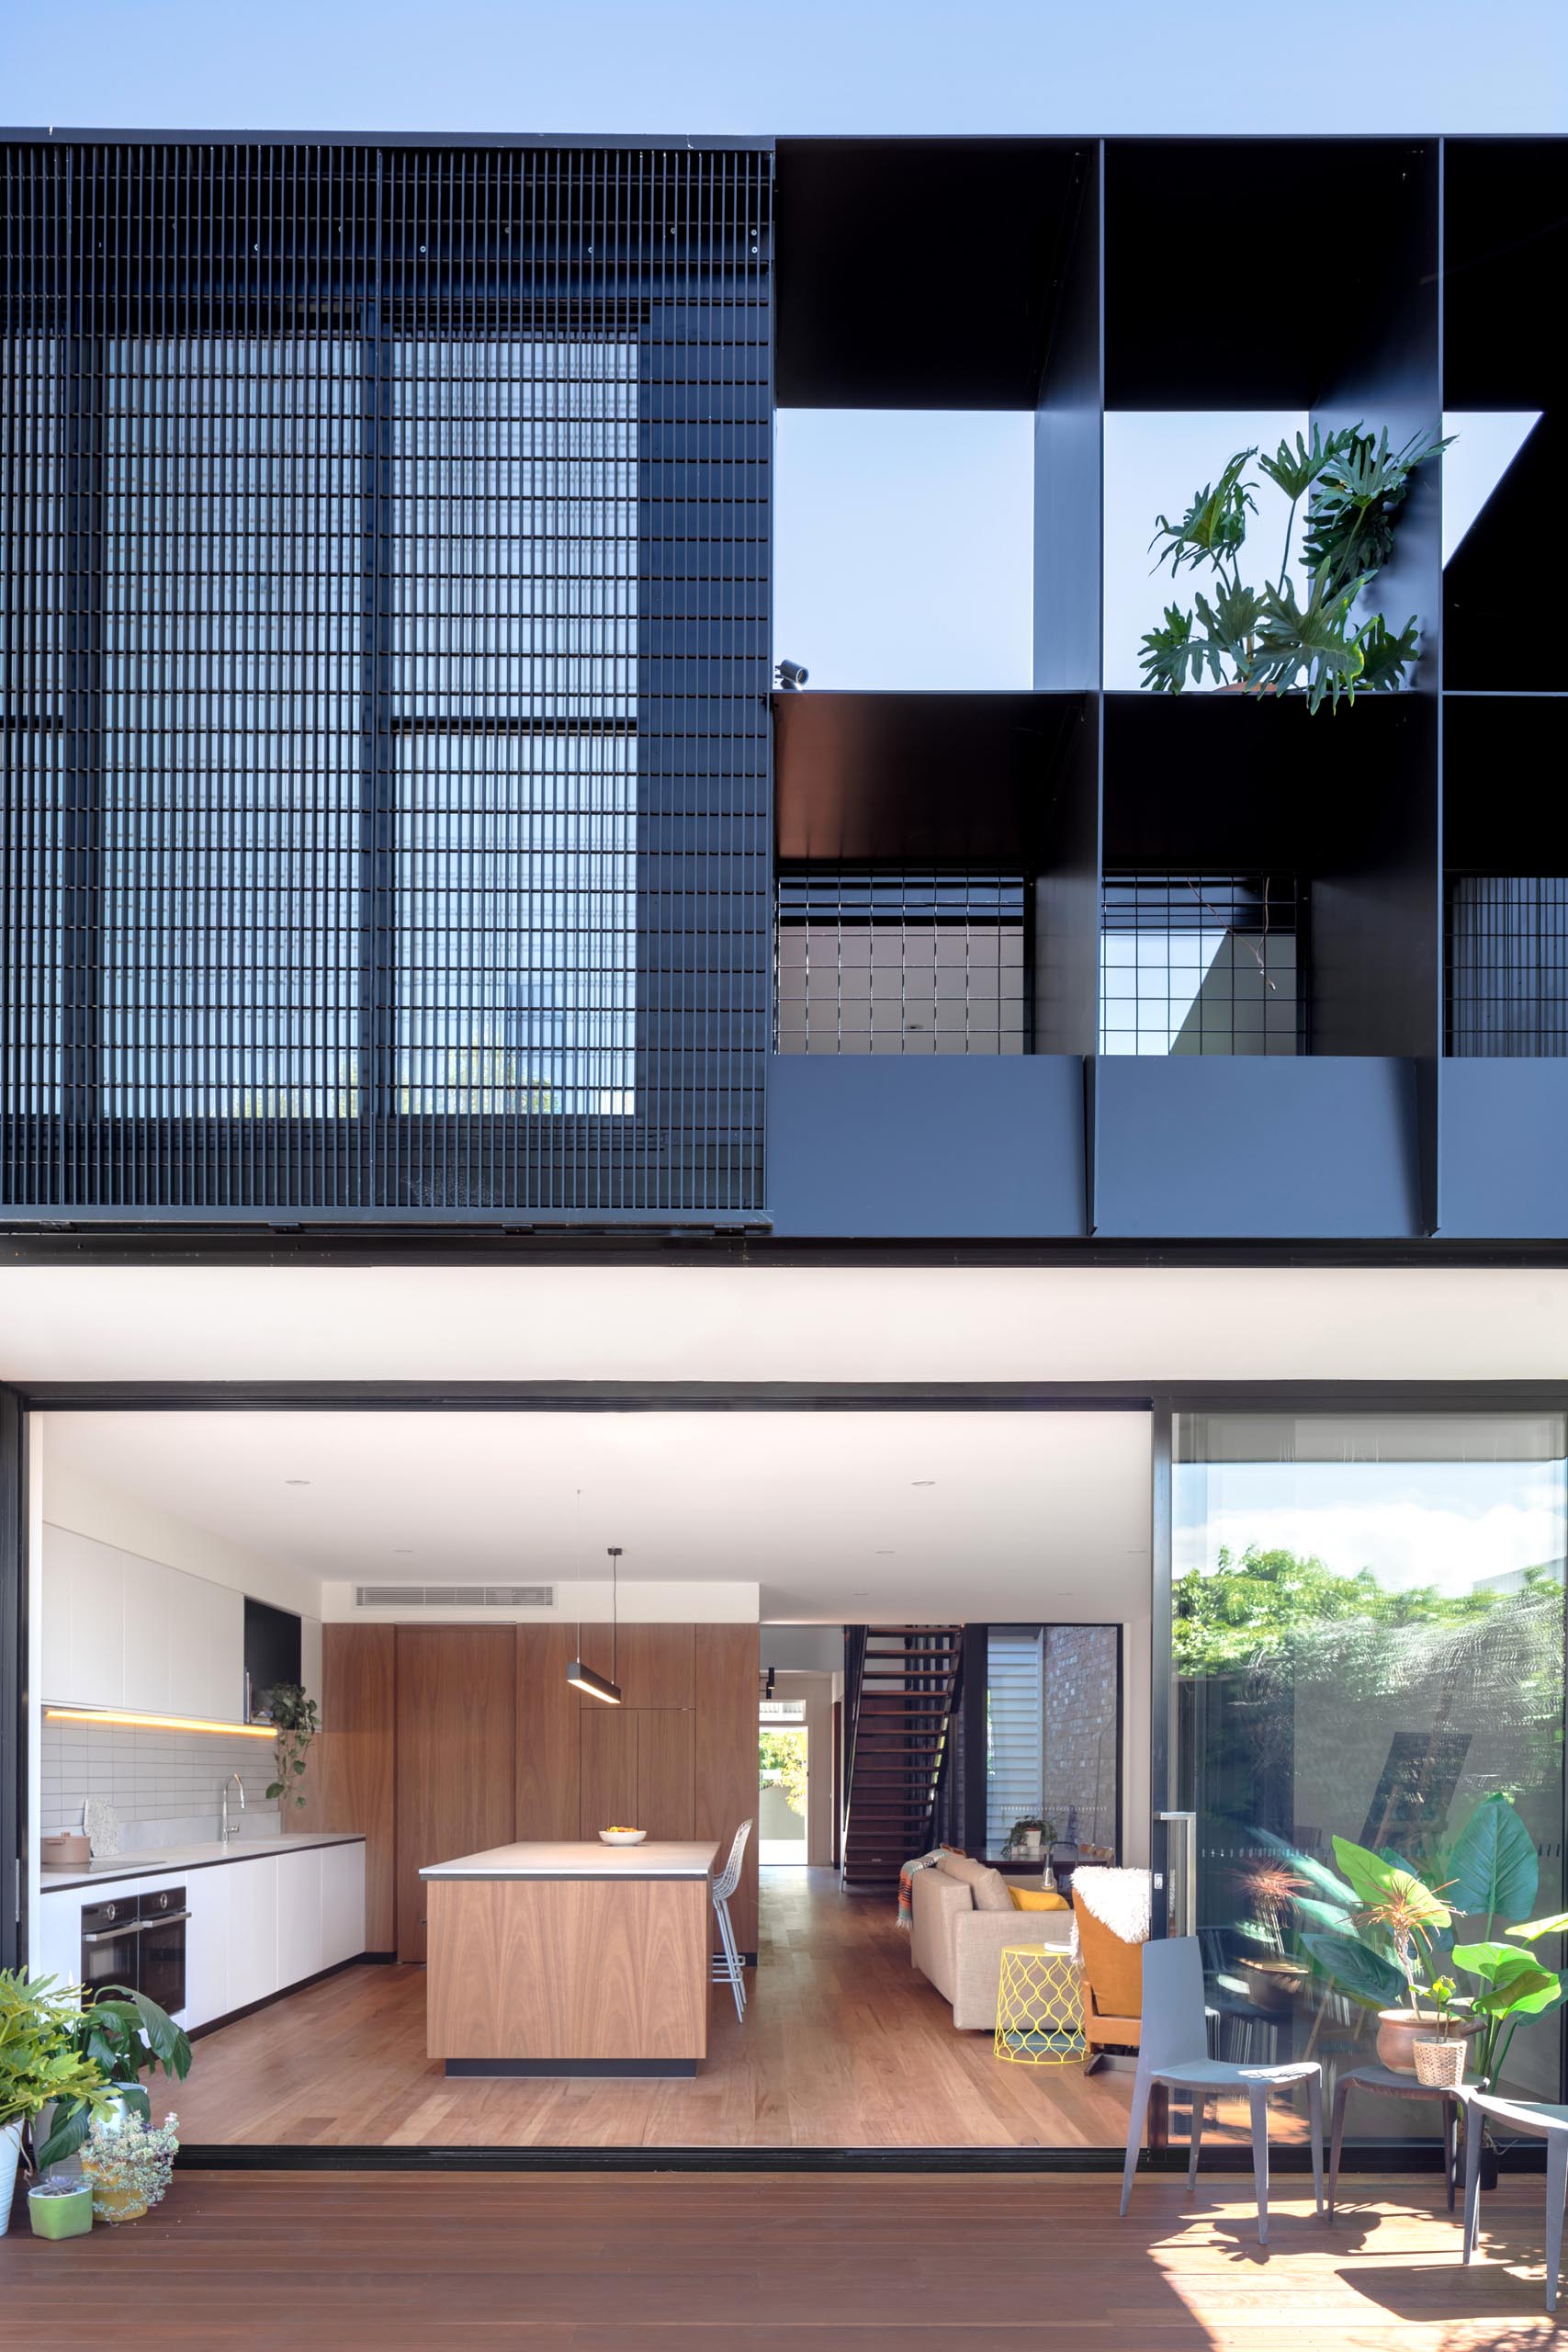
column 843, row 2045
column 775, row 2263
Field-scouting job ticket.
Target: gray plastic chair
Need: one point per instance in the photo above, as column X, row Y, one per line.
column 727, row 1966
column 1541, row 2121
column 1174, row 2053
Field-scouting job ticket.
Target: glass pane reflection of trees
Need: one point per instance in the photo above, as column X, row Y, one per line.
column 1368, row 1643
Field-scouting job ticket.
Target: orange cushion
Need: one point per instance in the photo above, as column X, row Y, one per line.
column 1034, row 1898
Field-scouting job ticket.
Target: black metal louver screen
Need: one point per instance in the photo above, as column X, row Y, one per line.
column 384, row 665
column 1508, row 966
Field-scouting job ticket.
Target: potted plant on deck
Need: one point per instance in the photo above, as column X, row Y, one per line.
column 41, row 2062
column 124, row 2035
column 128, row 2165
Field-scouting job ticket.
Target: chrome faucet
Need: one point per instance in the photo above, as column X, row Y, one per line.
column 227, row 1831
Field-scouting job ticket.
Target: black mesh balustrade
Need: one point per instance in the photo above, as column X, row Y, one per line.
column 1202, row 964
column 383, row 676
column 900, row 963
column 1508, row 964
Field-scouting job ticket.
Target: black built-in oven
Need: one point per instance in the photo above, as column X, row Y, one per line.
column 111, row 1942
column 163, row 1961
column 139, row 1941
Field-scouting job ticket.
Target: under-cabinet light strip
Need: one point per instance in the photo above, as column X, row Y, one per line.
column 156, row 1722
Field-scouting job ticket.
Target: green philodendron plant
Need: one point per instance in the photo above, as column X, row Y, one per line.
column 1373, row 1932
column 1266, row 640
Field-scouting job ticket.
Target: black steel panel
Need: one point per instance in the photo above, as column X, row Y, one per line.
column 387, row 621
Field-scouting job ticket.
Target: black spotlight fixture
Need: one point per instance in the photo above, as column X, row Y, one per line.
column 790, row 677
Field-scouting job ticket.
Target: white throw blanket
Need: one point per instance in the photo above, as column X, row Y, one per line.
column 1121, row 1900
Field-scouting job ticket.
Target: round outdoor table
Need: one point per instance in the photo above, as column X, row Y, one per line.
column 1384, row 2080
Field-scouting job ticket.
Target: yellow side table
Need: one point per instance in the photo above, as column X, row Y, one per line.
column 1038, row 2007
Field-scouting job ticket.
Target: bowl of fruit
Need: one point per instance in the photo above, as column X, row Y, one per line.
column 623, row 1837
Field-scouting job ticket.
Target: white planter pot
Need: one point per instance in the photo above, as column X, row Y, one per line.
column 10, row 2156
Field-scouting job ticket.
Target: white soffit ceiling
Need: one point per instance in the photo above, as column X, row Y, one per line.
column 770, row 1322
column 838, row 1516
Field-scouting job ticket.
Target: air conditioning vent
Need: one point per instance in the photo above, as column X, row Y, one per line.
column 454, row 1596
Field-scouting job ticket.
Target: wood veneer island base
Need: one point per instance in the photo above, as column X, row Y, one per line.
column 570, row 1959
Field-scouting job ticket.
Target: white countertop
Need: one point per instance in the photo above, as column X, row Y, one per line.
column 587, row 1859
column 169, row 1859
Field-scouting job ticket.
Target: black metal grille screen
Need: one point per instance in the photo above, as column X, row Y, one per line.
column 900, row 963
column 1508, row 964
column 1201, row 963
column 385, row 659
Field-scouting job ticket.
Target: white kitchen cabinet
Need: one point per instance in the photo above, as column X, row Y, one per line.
column 92, row 1607
column 147, row 1603
column 342, row 1903
column 55, row 1945
column 121, row 1631
column 299, row 1915
column 209, row 1932
column 252, row 1929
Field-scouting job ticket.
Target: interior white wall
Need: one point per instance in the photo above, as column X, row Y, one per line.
column 69, row 1497
column 815, row 1689
column 808, row 1649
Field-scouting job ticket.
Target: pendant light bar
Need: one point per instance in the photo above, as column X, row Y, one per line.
column 583, row 1677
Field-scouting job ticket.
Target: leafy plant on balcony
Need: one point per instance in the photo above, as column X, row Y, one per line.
column 1270, row 639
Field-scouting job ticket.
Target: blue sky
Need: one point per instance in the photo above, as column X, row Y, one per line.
column 735, row 65
column 937, row 611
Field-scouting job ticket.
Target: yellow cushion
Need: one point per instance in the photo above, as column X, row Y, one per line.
column 1034, row 1898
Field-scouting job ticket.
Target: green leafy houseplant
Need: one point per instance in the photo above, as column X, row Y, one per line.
column 296, row 1721
column 41, row 2058
column 124, row 2035
column 1371, row 1947
column 1266, row 640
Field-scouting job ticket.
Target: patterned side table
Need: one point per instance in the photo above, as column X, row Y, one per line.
column 1038, row 2007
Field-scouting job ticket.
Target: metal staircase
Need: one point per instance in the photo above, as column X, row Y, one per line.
column 902, row 1683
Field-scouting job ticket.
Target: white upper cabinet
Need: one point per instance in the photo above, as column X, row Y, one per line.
column 120, row 1630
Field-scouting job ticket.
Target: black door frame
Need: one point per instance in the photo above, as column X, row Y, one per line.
column 1160, row 1401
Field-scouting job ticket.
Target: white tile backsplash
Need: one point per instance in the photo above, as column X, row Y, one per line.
column 165, row 1785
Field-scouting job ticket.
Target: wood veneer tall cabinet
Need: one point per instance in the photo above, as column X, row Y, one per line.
column 350, row 1781
column 456, row 1719
column 441, row 1740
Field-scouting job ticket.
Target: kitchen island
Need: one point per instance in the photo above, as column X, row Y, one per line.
column 569, row 1958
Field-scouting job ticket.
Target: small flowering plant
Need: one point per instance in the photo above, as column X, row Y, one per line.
column 1442, row 1991
column 128, row 2165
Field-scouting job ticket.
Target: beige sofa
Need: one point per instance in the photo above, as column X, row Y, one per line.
column 959, row 1949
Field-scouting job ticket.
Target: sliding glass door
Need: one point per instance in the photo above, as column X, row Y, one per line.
column 1368, row 1644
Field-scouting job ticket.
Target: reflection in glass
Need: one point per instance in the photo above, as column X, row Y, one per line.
column 1369, row 1642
